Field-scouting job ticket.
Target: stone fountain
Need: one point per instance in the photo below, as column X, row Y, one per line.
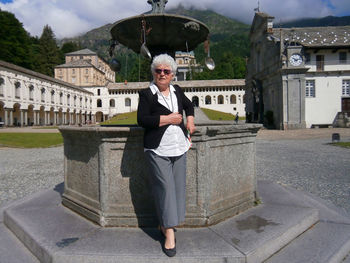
column 105, row 172
column 106, row 196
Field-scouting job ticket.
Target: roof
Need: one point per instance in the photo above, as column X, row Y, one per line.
column 183, row 84
column 337, row 36
column 39, row 75
column 85, row 51
column 76, row 64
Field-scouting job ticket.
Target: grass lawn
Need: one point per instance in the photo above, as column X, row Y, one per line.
column 128, row 118
column 30, row 140
column 219, row 115
column 46, row 127
column 342, row 144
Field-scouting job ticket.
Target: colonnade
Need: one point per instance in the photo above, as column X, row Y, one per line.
column 30, row 117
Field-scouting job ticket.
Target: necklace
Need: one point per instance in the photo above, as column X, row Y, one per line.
column 171, row 100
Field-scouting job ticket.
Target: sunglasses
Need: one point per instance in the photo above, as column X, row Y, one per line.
column 159, row 71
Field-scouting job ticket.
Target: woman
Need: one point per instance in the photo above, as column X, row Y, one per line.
column 160, row 112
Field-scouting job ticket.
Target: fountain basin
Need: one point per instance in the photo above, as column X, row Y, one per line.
column 166, row 33
column 106, row 177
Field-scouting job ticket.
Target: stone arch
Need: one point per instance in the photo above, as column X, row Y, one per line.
column 30, row 116
column 195, row 101
column 220, row 99
column 42, row 115
column 233, row 99
column 60, row 116
column 99, row 116
column 207, row 100
column 2, row 112
column 16, row 114
column 52, row 116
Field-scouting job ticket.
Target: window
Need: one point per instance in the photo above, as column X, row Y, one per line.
column 310, row 89
column 98, row 92
column 127, row 102
column 73, row 71
column 17, row 90
column 53, row 96
column 307, row 57
column 99, row 103
column 220, row 99
column 346, row 88
column 68, row 100
column 2, row 84
column 320, row 62
column 208, row 100
column 42, row 95
column 75, row 101
column 73, row 79
column 31, row 92
column 233, row 99
column 87, row 71
column 112, row 103
column 342, row 57
column 61, row 98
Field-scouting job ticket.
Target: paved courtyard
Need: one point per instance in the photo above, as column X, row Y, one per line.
column 302, row 159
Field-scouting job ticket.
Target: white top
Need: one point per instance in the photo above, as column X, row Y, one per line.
column 173, row 142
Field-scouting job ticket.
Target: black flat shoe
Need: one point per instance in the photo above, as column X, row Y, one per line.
column 170, row 252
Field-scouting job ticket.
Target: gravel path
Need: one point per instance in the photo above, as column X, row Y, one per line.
column 25, row 171
column 303, row 160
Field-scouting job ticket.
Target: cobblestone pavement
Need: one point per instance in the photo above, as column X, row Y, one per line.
column 302, row 159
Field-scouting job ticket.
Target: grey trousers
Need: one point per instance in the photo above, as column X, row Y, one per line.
column 168, row 182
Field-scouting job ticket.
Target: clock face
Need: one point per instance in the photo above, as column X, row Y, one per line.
column 295, row 59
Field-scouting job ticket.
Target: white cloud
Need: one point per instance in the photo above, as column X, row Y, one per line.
column 68, row 18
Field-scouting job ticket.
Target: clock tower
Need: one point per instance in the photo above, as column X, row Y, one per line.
column 295, row 57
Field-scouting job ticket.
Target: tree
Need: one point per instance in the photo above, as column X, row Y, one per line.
column 15, row 42
column 49, row 53
column 141, row 71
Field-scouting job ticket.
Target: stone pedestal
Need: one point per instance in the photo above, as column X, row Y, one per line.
column 106, row 174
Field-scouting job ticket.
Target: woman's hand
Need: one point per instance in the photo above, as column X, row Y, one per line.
column 174, row 118
column 190, row 124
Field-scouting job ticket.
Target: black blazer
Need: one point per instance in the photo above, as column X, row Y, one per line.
column 149, row 111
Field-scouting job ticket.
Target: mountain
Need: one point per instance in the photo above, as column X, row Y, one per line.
column 220, row 28
column 317, row 22
column 225, row 34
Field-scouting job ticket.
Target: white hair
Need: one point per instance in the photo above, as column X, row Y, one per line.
column 164, row 59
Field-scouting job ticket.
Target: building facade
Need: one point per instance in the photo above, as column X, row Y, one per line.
column 30, row 98
column 297, row 77
column 84, row 68
column 186, row 63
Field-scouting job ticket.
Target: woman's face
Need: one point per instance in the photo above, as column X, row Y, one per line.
column 162, row 75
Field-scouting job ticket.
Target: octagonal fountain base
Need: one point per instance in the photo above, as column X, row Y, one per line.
column 106, row 176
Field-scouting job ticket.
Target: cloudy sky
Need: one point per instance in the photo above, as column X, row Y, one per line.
column 72, row 17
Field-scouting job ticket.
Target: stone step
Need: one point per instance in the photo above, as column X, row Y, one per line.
column 53, row 233
column 12, row 250
column 323, row 243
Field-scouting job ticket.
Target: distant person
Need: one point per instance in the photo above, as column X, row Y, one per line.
column 166, row 142
column 236, row 118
